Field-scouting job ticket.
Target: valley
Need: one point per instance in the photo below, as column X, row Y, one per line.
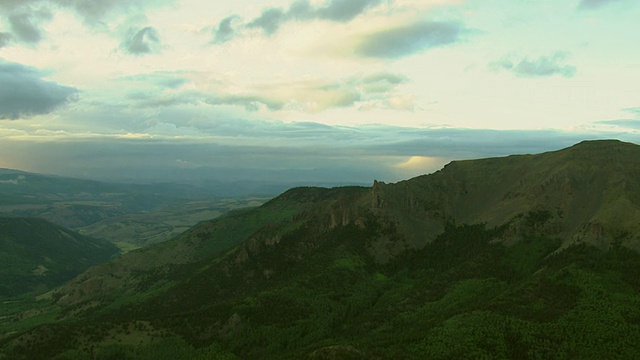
column 128, row 215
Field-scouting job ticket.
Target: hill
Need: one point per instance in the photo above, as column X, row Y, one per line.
column 37, row 255
column 527, row 256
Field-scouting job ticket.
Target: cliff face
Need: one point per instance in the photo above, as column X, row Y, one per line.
column 591, row 191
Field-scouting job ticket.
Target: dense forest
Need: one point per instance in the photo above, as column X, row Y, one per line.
column 462, row 296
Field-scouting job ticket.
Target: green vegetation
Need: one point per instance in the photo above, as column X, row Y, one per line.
column 136, row 230
column 462, row 296
column 525, row 257
column 36, row 255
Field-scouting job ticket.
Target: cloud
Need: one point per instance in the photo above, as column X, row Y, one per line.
column 541, row 67
column 381, row 82
column 407, row 40
column 224, row 32
column 271, row 19
column 251, row 102
column 24, row 17
column 145, row 41
column 163, row 79
column 24, row 93
column 25, row 24
column 379, row 90
column 594, row 4
column 633, row 110
column 344, row 10
column 626, row 123
column 5, row 39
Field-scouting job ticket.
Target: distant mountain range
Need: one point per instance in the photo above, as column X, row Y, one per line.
column 75, row 203
column 526, row 256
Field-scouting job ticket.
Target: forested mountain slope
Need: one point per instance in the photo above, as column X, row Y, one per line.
column 528, row 256
column 38, row 255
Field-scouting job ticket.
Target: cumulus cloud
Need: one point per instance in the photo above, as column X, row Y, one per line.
column 541, row 67
column 24, row 92
column 407, row 40
column 145, row 41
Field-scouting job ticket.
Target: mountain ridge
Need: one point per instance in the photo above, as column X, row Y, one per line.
column 524, row 248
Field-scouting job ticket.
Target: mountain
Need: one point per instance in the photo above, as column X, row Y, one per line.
column 526, row 256
column 36, row 255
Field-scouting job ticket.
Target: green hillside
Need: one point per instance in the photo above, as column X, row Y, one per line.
column 522, row 257
column 38, row 255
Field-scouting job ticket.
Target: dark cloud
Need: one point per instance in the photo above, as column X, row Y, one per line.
column 408, row 40
column 540, row 67
column 225, row 31
column 145, row 41
column 594, row 4
column 270, row 20
column 24, row 93
column 5, row 39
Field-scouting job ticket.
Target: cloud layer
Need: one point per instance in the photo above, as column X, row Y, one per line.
column 305, row 153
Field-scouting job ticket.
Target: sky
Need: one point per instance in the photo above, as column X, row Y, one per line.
column 309, row 91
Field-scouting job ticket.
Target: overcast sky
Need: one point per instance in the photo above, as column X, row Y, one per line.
column 308, row 90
